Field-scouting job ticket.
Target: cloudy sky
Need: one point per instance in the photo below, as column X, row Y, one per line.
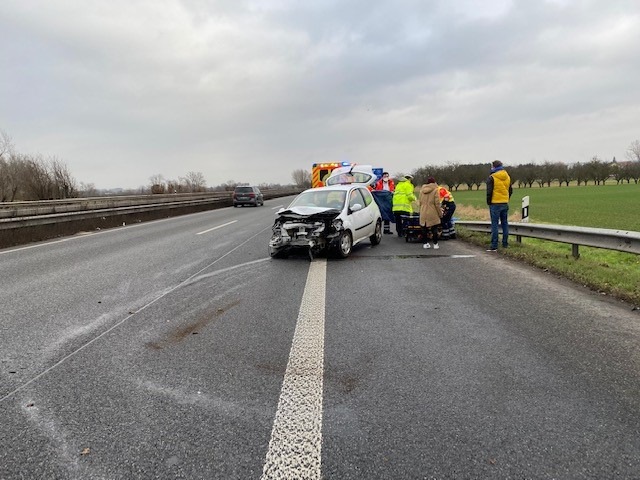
column 250, row 90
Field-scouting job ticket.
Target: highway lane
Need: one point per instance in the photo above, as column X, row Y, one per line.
column 159, row 351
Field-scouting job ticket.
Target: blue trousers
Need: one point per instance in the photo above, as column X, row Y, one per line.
column 499, row 213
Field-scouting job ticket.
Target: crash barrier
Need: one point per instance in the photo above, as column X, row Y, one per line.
column 23, row 222
column 620, row 240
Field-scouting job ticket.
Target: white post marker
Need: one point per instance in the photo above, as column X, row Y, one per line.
column 296, row 438
column 525, row 209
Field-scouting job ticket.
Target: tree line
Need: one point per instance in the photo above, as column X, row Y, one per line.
column 473, row 176
column 546, row 174
column 35, row 177
column 32, row 177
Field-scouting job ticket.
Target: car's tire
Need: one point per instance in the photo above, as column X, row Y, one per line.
column 345, row 244
column 376, row 238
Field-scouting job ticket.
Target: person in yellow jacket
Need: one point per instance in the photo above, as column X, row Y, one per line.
column 499, row 192
column 402, row 198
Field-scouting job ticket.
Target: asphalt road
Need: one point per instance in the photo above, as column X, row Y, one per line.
column 179, row 349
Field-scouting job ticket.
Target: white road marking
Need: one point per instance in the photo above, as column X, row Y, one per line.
column 215, row 228
column 296, row 438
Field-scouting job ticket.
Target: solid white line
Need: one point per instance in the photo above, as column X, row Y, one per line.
column 296, row 438
column 215, row 228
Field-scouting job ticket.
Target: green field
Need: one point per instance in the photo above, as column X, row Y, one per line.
column 600, row 206
column 609, row 206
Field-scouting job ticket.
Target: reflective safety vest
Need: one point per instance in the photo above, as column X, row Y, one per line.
column 445, row 195
column 403, row 196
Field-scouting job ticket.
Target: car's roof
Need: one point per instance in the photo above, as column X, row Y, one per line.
column 358, row 174
column 336, row 187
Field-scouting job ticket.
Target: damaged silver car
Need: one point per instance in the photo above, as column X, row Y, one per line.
column 327, row 220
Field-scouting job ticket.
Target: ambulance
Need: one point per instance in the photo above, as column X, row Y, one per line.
column 320, row 172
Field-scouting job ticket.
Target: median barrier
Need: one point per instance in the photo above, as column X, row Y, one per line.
column 25, row 222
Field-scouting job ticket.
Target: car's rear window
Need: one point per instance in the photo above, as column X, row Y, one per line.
column 346, row 178
column 244, row 189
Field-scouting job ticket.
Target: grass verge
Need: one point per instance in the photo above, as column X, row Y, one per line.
column 605, row 271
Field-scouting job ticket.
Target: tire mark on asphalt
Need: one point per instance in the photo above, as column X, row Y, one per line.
column 144, row 307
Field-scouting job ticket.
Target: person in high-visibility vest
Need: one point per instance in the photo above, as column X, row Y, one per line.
column 448, row 207
column 402, row 198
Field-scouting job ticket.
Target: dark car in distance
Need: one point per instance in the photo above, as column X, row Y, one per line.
column 247, row 195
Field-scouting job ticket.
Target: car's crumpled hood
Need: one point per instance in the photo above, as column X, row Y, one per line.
column 309, row 213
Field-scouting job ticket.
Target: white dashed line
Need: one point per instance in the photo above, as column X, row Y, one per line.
column 296, row 438
column 215, row 228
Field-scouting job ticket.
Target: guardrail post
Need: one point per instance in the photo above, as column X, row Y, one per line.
column 574, row 251
column 519, row 238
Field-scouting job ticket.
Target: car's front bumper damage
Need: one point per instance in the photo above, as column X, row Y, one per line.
column 296, row 229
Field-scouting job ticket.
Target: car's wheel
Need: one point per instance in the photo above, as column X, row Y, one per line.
column 345, row 244
column 376, row 238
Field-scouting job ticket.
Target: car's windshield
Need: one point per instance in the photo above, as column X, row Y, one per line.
column 244, row 190
column 320, row 198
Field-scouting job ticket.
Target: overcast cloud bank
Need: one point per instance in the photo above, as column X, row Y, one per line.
column 252, row 90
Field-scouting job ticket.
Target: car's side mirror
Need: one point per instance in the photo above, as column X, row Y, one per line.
column 356, row 207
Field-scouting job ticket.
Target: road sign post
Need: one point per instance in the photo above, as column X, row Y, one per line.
column 525, row 209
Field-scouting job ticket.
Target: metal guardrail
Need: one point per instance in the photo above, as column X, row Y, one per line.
column 48, row 207
column 620, row 240
column 29, row 214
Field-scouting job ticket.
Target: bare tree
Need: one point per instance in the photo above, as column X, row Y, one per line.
column 301, row 178
column 6, row 145
column 64, row 185
column 87, row 190
column 7, row 180
column 597, row 170
column 175, row 186
column 157, row 183
column 546, row 174
column 230, row 185
column 563, row 173
column 194, row 182
column 633, row 152
column 36, row 178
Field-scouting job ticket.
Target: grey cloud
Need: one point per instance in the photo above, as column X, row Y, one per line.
column 275, row 85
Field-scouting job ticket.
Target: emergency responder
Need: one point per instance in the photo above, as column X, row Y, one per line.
column 448, row 207
column 384, row 197
column 402, row 198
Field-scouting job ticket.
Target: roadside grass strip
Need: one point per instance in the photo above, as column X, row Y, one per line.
column 296, row 438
